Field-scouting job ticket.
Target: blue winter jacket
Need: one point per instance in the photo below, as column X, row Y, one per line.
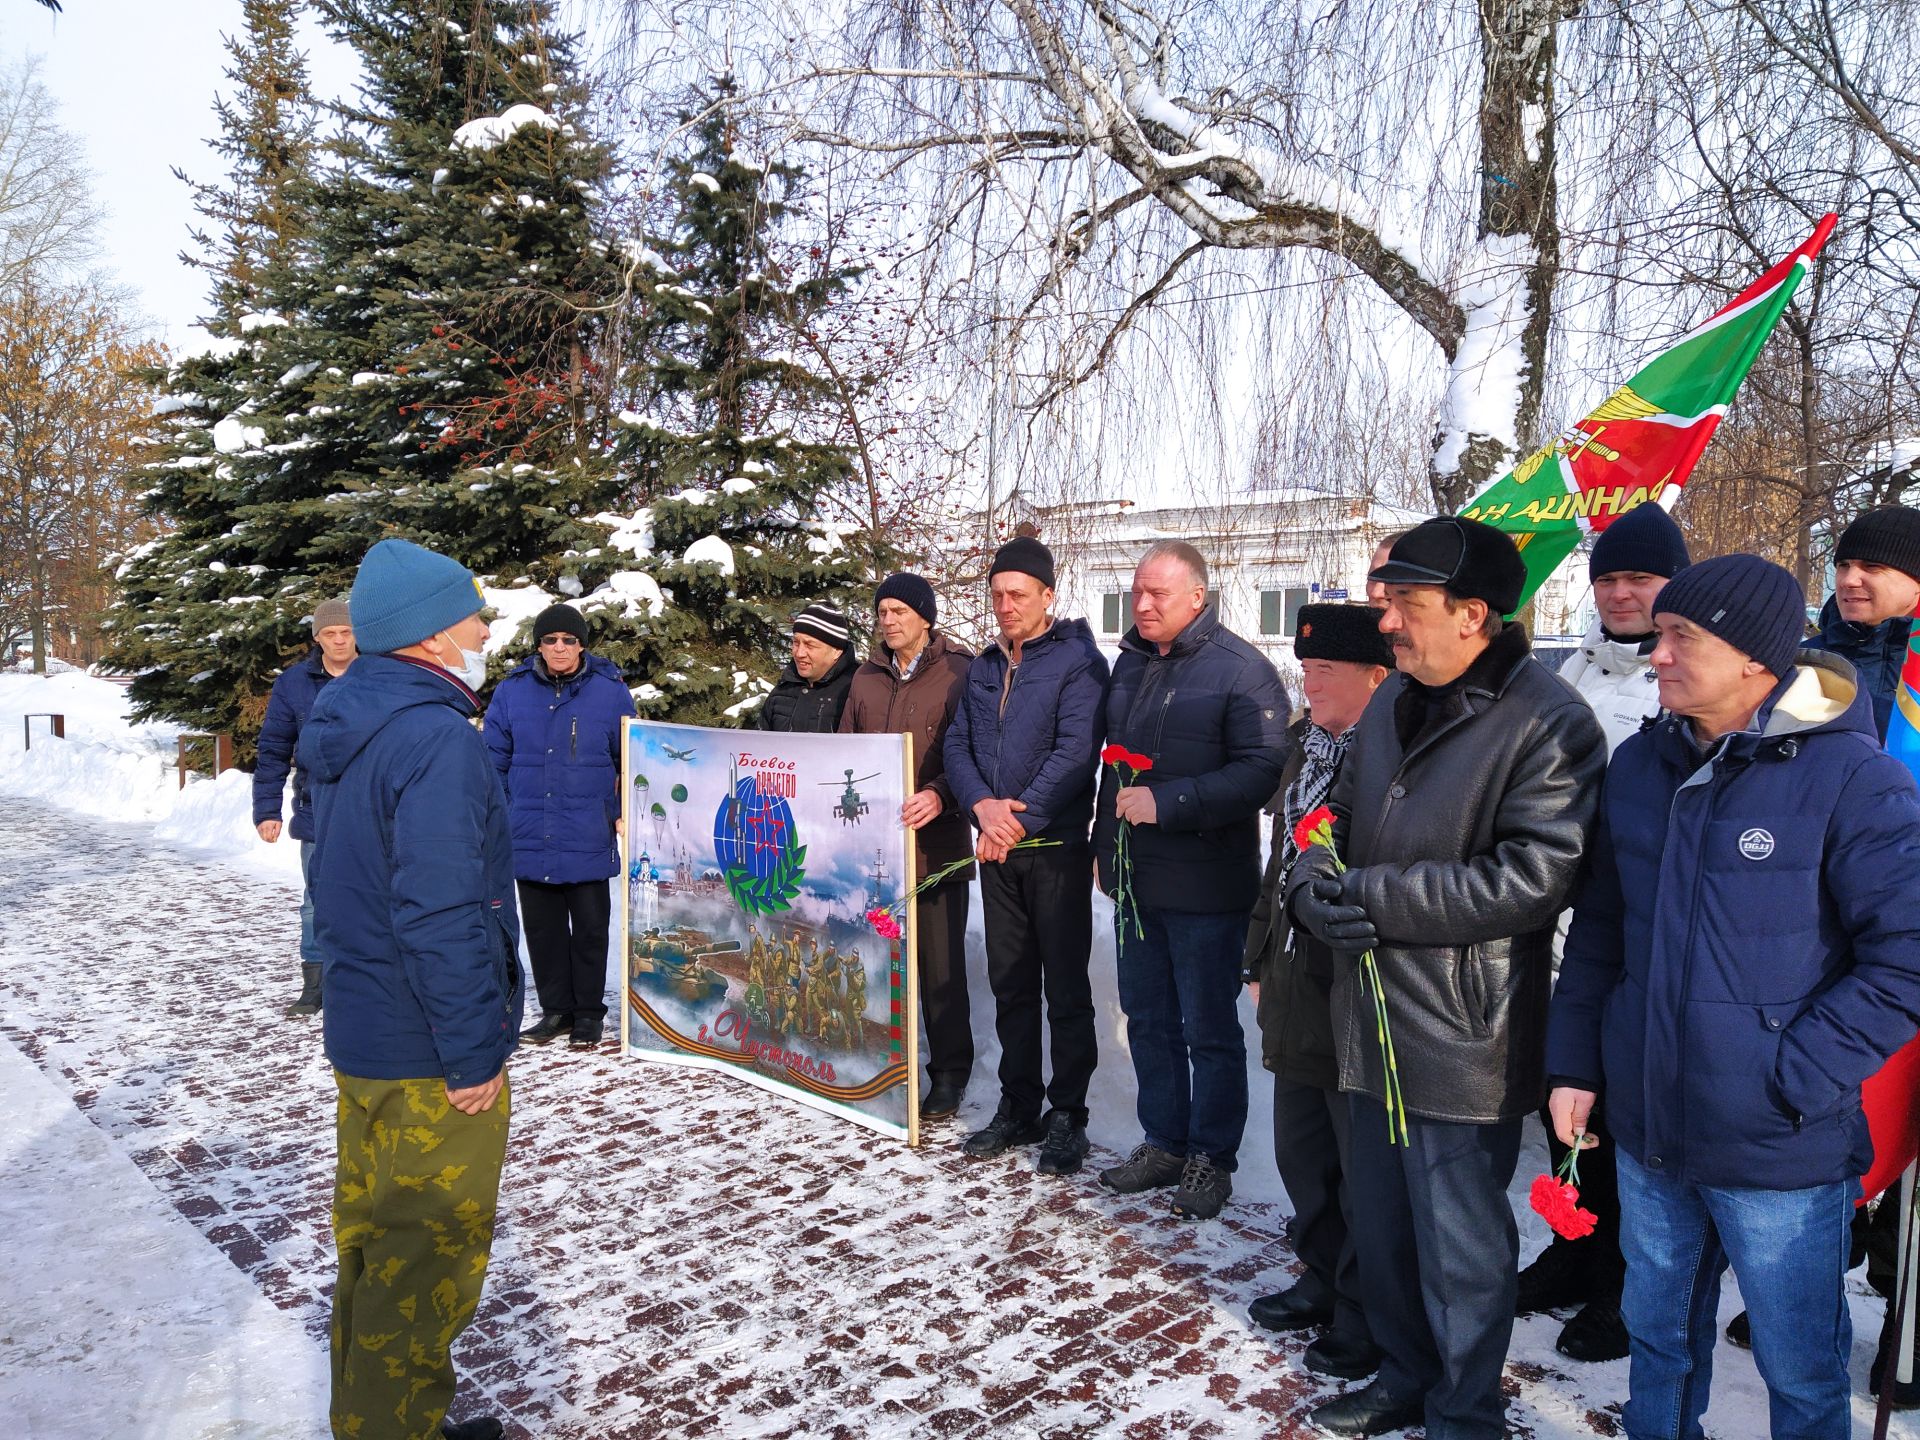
column 412, row 878
column 556, row 746
column 1036, row 739
column 1212, row 716
column 288, row 705
column 1747, row 948
column 1876, row 653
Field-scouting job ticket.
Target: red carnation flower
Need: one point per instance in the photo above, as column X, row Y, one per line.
column 1304, row 833
column 1113, row 754
column 1558, row 1203
column 1141, row 763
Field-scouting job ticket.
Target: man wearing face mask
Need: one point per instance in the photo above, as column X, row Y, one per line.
column 418, row 936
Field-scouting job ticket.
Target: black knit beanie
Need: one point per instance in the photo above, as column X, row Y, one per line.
column 1024, row 555
column 1888, row 537
column 911, row 591
column 1752, row 604
column 560, row 620
column 1645, row 539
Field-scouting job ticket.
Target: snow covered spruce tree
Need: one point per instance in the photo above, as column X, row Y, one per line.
column 724, row 442
column 424, row 369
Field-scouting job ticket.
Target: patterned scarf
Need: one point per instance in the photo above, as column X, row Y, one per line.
column 1320, row 757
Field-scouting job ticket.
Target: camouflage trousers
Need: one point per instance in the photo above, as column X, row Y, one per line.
column 414, row 1190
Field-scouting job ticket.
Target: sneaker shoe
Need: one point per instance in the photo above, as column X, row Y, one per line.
column 1065, row 1147
column 1559, row 1279
column 1204, row 1188
column 1003, row 1132
column 487, row 1427
column 549, row 1027
column 1147, row 1168
column 942, row 1100
column 1342, row 1357
column 1597, row 1333
column 588, row 1030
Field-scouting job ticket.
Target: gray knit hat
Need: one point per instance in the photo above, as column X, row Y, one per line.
column 331, row 612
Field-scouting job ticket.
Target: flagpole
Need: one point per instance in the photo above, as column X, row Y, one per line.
column 1904, row 1288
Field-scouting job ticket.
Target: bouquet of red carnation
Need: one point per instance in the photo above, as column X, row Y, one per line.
column 1123, row 901
column 1556, row 1198
column 1316, row 828
column 885, row 919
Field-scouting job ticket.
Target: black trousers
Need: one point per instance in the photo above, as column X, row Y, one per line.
column 566, row 929
column 1439, row 1255
column 946, row 1013
column 1310, row 1130
column 1599, row 1192
column 1038, row 906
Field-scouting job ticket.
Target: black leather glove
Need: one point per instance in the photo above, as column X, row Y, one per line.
column 1341, row 925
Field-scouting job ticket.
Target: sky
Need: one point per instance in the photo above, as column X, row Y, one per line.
column 136, row 80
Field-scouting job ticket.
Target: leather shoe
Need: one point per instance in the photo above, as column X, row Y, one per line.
column 1740, row 1331
column 487, row 1427
column 1342, row 1356
column 1291, row 1309
column 1371, row 1410
column 551, row 1027
column 587, row 1032
column 1597, row 1333
column 943, row 1099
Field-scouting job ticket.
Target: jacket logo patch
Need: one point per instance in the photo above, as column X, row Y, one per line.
column 1756, row 844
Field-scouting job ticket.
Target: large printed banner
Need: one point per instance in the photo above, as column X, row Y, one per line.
column 752, row 861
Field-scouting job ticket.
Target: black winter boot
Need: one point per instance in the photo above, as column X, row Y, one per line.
column 487, row 1427
column 309, row 1001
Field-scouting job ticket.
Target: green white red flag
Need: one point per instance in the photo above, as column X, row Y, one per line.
column 1643, row 440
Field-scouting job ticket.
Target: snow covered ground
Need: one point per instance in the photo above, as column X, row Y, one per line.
column 677, row 1253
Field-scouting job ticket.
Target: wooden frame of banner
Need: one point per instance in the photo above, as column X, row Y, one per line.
column 911, row 953
column 911, row 1019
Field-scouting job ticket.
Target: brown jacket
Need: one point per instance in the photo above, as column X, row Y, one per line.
column 922, row 706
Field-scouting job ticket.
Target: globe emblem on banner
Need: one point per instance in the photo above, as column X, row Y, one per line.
column 758, row 848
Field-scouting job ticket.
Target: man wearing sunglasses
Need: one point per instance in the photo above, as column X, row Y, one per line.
column 553, row 728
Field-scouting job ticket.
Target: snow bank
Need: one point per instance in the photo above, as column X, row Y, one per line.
column 109, row 767
column 167, row 1340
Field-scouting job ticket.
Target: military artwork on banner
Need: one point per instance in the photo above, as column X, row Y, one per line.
column 754, row 871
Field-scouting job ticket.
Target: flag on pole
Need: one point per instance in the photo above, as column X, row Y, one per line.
column 1643, row 440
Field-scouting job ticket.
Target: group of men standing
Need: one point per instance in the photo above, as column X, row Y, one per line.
column 1744, row 949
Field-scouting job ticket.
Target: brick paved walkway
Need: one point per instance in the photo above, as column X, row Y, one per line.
column 677, row 1254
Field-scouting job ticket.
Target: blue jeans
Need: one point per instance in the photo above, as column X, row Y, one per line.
column 1180, row 988
column 1789, row 1248
column 309, row 947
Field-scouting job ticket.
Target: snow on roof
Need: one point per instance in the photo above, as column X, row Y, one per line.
column 491, row 130
column 710, row 550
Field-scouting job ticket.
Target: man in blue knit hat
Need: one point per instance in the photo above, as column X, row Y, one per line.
column 1741, row 958
column 419, row 939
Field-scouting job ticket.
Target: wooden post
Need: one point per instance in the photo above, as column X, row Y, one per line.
column 222, row 753
column 59, row 725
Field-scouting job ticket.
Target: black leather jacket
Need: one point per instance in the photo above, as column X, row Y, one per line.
column 1464, row 850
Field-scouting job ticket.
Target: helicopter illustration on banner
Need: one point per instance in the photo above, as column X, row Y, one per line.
column 851, row 806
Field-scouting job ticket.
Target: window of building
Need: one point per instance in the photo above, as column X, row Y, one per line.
column 1280, row 610
column 1113, row 612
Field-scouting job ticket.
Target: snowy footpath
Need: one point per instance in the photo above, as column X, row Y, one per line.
column 677, row 1255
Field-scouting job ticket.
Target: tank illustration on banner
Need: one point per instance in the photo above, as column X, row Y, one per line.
column 746, row 934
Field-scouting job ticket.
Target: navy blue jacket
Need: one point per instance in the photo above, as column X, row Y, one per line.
column 1876, row 653
column 1212, row 716
column 556, row 744
column 1037, row 740
column 1747, row 948
column 288, row 705
column 412, row 878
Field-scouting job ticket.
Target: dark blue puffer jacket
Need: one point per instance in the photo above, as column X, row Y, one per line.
column 288, row 705
column 1876, row 653
column 1747, row 948
column 1212, row 716
column 412, row 878
column 1039, row 742
column 556, row 745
